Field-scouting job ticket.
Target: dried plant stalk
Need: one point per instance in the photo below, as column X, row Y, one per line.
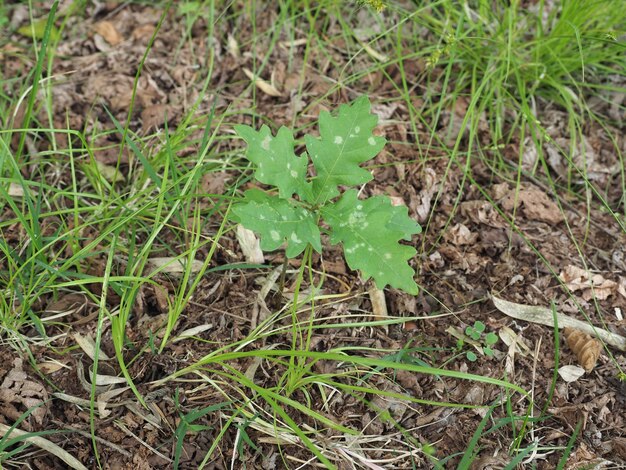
column 587, row 349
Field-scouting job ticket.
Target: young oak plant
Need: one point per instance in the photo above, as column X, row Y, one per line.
column 369, row 230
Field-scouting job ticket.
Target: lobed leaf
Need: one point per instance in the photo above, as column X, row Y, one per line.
column 278, row 221
column 370, row 231
column 401, row 222
column 275, row 160
column 345, row 141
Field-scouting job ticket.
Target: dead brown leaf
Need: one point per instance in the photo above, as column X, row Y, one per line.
column 538, row 206
column 534, row 203
column 67, row 303
column 592, row 286
column 154, row 116
column 422, row 205
column 461, row 235
column 107, row 30
column 18, row 393
column 482, row 212
column 214, row 182
column 619, row 446
column 143, row 33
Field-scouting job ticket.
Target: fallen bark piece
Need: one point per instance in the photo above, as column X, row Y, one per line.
column 586, row 348
column 543, row 316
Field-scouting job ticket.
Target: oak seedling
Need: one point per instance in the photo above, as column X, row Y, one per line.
column 303, row 207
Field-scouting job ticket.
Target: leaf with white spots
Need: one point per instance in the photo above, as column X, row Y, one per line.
column 275, row 160
column 369, row 231
column 401, row 222
column 278, row 221
column 345, row 142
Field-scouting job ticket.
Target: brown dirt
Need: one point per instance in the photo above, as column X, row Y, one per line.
column 467, row 251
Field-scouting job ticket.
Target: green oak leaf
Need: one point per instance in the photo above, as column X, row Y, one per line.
column 401, row 222
column 370, row 241
column 278, row 221
column 275, row 160
column 345, row 141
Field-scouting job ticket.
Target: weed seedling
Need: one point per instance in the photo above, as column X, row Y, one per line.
column 480, row 339
column 305, row 207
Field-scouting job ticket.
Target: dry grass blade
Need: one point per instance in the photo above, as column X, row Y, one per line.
column 44, row 444
column 543, row 316
column 263, row 85
column 171, row 265
column 88, row 345
column 129, row 433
